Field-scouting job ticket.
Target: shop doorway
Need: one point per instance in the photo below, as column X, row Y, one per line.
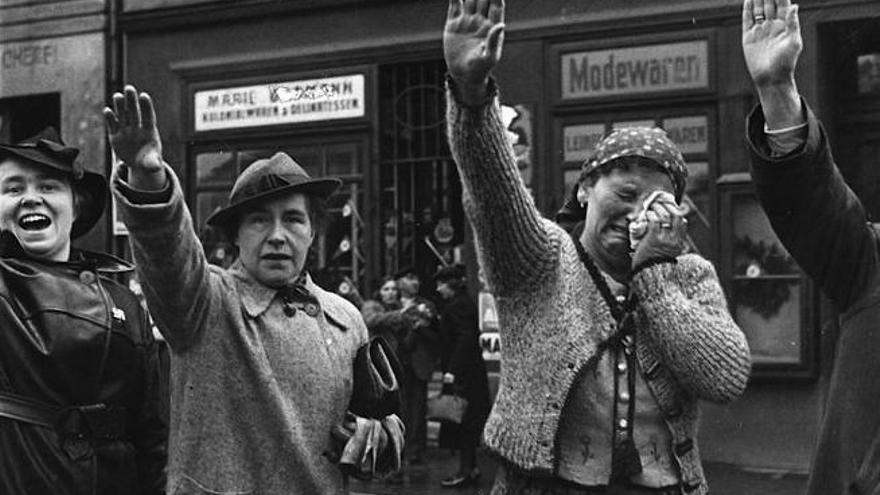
column 420, row 203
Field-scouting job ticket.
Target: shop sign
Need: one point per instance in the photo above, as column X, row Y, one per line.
column 27, row 56
column 310, row 100
column 691, row 134
column 579, row 141
column 635, row 70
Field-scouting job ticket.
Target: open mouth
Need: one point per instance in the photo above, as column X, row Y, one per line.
column 34, row 221
column 276, row 257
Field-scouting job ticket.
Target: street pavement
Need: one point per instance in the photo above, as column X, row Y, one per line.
column 424, row 479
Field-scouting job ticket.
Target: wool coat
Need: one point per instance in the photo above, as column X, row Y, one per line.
column 825, row 228
column 255, row 388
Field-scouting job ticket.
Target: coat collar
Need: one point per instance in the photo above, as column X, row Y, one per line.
column 256, row 297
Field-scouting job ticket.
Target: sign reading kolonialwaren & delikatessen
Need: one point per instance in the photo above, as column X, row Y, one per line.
column 635, row 70
column 308, row 100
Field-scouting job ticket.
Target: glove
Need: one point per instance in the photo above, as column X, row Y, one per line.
column 370, row 447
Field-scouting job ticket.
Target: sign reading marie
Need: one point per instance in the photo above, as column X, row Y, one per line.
column 637, row 69
column 308, row 100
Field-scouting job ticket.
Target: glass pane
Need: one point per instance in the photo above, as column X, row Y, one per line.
column 343, row 159
column 309, row 158
column 338, row 254
column 216, row 168
column 768, row 311
column 757, row 251
column 869, row 73
column 247, row 157
column 696, row 202
column 217, row 248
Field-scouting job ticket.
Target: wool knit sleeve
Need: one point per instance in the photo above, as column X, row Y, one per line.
column 514, row 248
column 689, row 324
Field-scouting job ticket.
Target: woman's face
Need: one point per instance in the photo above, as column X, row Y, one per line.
column 388, row 292
column 612, row 203
column 37, row 206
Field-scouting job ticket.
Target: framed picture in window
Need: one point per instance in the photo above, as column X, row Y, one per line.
column 769, row 295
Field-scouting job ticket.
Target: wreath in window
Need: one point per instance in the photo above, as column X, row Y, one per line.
column 756, row 260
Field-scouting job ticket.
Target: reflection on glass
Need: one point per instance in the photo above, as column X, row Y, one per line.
column 216, row 167
column 766, row 287
column 768, row 311
column 696, row 202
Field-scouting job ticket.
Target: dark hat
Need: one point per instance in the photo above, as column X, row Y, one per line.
column 406, row 270
column 447, row 273
column 650, row 143
column 46, row 148
column 266, row 178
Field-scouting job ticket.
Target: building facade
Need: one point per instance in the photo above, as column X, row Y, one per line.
column 355, row 89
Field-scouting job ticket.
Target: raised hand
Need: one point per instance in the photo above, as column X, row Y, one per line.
column 771, row 40
column 131, row 127
column 472, row 42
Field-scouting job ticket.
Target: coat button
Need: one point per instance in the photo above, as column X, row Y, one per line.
column 622, row 423
column 621, row 367
column 311, row 309
column 624, row 396
column 87, row 278
column 570, row 366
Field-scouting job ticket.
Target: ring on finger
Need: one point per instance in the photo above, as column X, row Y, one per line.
column 665, row 225
column 759, row 17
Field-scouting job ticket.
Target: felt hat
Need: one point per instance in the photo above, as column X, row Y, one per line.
column 47, row 149
column 268, row 178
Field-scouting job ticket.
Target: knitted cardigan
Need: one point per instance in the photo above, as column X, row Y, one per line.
column 553, row 317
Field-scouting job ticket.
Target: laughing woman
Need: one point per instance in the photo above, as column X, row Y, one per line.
column 79, row 404
column 610, row 335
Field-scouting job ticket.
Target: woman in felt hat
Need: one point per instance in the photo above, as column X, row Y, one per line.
column 611, row 334
column 79, row 394
column 262, row 359
column 464, row 372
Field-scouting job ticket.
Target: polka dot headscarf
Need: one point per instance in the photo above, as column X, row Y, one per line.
column 646, row 142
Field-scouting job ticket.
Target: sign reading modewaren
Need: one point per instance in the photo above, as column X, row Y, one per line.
column 638, row 69
column 328, row 98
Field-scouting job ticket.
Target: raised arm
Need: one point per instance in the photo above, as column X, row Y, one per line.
column 514, row 247
column 818, row 218
column 169, row 258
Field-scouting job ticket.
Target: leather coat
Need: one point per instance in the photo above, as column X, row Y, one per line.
column 72, row 336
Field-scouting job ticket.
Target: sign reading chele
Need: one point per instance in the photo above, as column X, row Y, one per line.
column 309, row 100
column 639, row 69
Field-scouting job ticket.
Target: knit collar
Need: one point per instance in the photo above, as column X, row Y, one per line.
column 257, row 297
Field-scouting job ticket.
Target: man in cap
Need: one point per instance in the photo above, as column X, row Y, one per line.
column 262, row 358
column 79, row 396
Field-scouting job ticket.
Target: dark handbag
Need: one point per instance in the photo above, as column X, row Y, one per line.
column 376, row 389
column 447, row 408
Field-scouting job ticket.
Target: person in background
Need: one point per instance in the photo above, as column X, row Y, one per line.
column 464, row 372
column 383, row 314
column 418, row 357
column 824, row 226
column 611, row 335
column 80, row 404
column 262, row 359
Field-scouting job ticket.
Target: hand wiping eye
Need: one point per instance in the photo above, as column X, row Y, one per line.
column 639, row 227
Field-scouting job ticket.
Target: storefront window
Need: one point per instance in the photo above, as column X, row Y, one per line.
column 767, row 290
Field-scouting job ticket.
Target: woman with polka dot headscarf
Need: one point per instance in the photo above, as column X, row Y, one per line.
column 610, row 334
